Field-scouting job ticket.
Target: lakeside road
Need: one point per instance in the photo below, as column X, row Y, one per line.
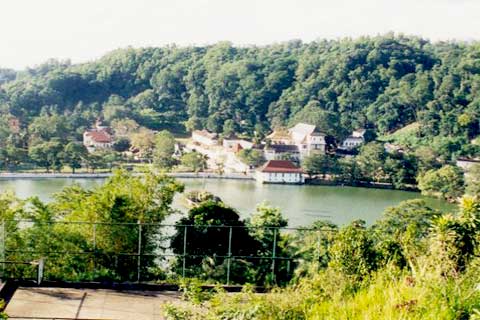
column 205, row 175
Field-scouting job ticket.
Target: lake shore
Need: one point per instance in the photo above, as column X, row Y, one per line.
column 196, row 175
column 206, row 175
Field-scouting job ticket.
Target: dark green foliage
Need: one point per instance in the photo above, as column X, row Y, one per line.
column 208, row 236
column 321, row 164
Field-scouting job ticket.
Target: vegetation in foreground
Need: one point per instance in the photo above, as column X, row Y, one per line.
column 413, row 263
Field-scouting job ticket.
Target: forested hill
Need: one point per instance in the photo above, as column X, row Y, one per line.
column 383, row 83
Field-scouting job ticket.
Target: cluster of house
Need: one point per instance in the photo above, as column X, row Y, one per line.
column 293, row 144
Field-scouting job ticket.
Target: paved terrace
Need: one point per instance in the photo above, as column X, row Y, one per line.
column 66, row 303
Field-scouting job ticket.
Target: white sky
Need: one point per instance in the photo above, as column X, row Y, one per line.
column 31, row 31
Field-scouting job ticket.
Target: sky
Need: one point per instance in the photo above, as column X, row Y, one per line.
column 33, row 31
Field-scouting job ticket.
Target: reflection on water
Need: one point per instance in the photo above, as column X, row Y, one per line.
column 300, row 204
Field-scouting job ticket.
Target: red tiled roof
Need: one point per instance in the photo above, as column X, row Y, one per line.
column 284, row 166
column 100, row 136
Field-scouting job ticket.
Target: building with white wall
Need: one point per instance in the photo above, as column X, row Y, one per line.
column 280, row 171
column 306, row 137
column 98, row 138
column 356, row 139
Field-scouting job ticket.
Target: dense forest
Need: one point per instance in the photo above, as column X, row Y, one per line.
column 384, row 83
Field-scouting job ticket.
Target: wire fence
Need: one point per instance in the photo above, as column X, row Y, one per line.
column 146, row 252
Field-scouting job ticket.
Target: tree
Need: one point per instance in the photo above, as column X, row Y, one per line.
column 252, row 157
column 446, row 182
column 194, row 161
column 11, row 156
column 118, row 206
column 144, row 141
column 455, row 238
column 124, row 127
column 349, row 171
column 371, row 161
column 353, row 252
column 311, row 247
column 121, row 145
column 74, row 154
column 472, row 178
column 94, row 161
column 265, row 227
column 47, row 154
column 164, row 149
column 427, row 158
column 402, row 232
column 207, row 237
column 230, row 128
column 319, row 163
column 323, row 119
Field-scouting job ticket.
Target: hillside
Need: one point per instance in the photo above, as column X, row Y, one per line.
column 384, row 83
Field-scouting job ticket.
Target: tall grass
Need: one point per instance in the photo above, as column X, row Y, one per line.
column 388, row 294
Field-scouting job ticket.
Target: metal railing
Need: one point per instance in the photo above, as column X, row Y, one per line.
column 131, row 250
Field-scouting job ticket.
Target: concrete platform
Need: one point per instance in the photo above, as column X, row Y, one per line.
column 54, row 303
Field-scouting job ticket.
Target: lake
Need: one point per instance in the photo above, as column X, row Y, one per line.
column 300, row 204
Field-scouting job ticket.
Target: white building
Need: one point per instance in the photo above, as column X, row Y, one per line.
column 280, row 171
column 280, row 151
column 352, row 142
column 97, row 138
column 204, row 137
column 305, row 136
column 356, row 139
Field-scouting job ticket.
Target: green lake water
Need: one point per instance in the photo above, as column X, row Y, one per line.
column 300, row 204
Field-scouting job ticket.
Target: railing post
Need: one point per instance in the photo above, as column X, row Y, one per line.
column 94, row 247
column 94, row 236
column 3, row 249
column 274, row 252
column 184, row 251
column 229, row 261
column 139, row 252
column 41, row 266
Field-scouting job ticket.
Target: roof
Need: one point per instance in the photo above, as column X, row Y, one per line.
column 205, row 134
column 359, row 133
column 283, row 148
column 282, row 166
column 279, row 134
column 354, row 138
column 317, row 133
column 303, row 128
column 100, row 136
column 469, row 160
